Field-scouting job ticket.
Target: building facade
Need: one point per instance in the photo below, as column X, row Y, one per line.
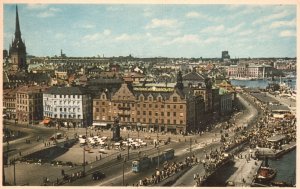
column 245, row 70
column 147, row 109
column 29, row 104
column 68, row 106
column 9, row 103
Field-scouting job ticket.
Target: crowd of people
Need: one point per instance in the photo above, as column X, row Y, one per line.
column 169, row 169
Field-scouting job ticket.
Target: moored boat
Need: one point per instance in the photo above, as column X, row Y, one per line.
column 266, row 174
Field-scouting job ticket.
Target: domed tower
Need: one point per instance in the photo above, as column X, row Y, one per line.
column 17, row 50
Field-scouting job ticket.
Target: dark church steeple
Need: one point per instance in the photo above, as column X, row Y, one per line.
column 17, row 50
column 17, row 31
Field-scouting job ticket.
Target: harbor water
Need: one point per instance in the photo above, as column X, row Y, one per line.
column 262, row 84
column 286, row 167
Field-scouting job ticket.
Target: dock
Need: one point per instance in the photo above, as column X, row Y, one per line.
column 272, row 153
column 245, row 173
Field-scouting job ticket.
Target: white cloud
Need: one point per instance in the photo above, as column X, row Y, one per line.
column 271, row 17
column 36, row 6
column 193, row 15
column 127, row 37
column 148, row 12
column 164, row 23
column 113, row 8
column 106, row 32
column 245, row 33
column 198, row 15
column 173, row 33
column 278, row 24
column 96, row 36
column 59, row 36
column 235, row 28
column 88, row 26
column 189, row 38
column 287, row 33
column 211, row 29
column 211, row 40
column 49, row 13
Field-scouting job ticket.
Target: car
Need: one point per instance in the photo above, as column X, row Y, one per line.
column 97, row 175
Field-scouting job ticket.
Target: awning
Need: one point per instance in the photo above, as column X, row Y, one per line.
column 46, row 121
column 100, row 124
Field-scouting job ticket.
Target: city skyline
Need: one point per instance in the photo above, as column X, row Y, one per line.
column 154, row 30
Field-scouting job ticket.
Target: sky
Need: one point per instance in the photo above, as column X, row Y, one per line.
column 154, row 30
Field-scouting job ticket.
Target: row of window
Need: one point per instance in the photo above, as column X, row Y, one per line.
column 150, row 121
column 70, row 116
column 144, row 105
column 66, row 102
column 68, row 96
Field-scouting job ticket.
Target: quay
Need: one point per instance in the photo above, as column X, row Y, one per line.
column 246, row 171
column 273, row 153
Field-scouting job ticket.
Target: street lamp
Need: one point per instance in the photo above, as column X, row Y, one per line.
column 158, row 158
column 123, row 171
column 14, row 162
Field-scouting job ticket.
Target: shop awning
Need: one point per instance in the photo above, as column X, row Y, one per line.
column 46, row 121
column 100, row 124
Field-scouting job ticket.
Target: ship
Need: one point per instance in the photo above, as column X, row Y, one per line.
column 266, row 174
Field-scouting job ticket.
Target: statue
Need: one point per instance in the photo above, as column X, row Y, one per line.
column 116, row 130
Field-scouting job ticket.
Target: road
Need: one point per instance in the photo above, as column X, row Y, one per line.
column 114, row 168
column 250, row 114
column 32, row 132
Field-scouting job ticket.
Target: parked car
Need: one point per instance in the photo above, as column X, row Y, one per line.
column 97, row 175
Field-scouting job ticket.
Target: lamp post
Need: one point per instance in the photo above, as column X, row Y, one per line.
column 139, row 142
column 14, row 162
column 128, row 147
column 84, row 151
column 158, row 158
column 123, row 171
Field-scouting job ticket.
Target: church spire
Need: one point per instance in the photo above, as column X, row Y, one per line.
column 17, row 31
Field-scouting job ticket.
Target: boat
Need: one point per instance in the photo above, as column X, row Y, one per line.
column 266, row 174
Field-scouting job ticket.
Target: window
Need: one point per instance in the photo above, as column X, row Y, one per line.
column 103, row 103
column 150, row 105
column 169, row 121
column 174, row 121
column 150, row 120
column 150, row 113
column 60, row 109
column 103, row 110
column 138, row 105
column 181, row 106
column 159, row 99
column 168, row 113
column 168, row 106
column 162, row 106
column 156, row 106
column 144, row 105
column 162, row 113
column 97, row 109
column 174, row 113
column 150, row 98
column 144, row 112
column 156, row 113
column 138, row 112
column 174, row 106
column 174, row 99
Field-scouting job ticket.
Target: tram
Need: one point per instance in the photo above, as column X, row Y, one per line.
column 146, row 162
